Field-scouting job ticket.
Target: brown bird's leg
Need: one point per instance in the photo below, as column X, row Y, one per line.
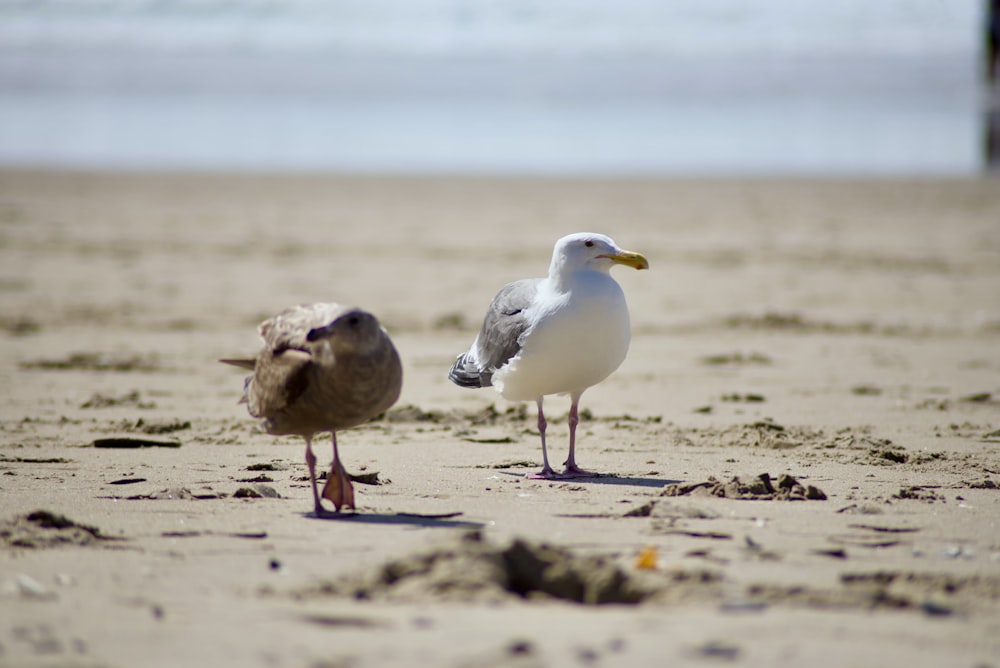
column 311, row 463
column 338, row 488
column 546, row 473
column 572, row 470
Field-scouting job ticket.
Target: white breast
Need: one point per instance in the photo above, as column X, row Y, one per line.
column 578, row 338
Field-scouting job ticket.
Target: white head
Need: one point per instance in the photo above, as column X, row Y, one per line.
column 589, row 251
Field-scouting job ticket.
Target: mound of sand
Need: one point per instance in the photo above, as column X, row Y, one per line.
column 474, row 569
column 43, row 528
column 749, row 488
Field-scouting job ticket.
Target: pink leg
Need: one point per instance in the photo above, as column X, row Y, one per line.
column 338, row 489
column 546, row 473
column 311, row 463
column 572, row 470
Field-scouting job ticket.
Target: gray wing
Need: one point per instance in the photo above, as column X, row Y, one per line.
column 500, row 337
column 505, row 322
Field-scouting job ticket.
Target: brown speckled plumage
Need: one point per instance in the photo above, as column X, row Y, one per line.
column 323, row 367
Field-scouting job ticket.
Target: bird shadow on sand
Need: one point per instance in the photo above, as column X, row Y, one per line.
column 399, row 519
column 611, row 479
column 603, row 479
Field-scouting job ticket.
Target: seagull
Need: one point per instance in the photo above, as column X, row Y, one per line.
column 555, row 335
column 323, row 367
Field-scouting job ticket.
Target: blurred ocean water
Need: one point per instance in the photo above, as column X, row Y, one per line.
column 515, row 86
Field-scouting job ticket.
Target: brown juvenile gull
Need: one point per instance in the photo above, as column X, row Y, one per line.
column 555, row 335
column 324, row 367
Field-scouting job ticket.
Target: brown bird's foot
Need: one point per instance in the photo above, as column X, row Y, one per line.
column 320, row 511
column 574, row 471
column 338, row 489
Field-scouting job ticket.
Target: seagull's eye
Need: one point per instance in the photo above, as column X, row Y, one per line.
column 589, row 244
column 353, row 321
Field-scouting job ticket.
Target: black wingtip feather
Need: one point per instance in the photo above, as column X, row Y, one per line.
column 467, row 375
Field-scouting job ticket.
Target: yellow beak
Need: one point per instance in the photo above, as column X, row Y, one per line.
column 628, row 258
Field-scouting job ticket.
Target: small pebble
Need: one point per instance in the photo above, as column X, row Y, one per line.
column 719, row 650
column 520, row 647
column 933, row 609
column 29, row 587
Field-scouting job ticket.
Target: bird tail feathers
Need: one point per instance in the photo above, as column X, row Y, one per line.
column 466, row 373
column 247, row 364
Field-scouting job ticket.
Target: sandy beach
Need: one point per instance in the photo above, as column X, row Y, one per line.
column 840, row 336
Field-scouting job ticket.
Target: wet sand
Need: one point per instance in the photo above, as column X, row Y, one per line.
column 841, row 332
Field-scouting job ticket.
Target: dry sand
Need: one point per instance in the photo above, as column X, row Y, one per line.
column 845, row 333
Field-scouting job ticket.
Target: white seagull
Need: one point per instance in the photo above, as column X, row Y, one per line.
column 555, row 335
